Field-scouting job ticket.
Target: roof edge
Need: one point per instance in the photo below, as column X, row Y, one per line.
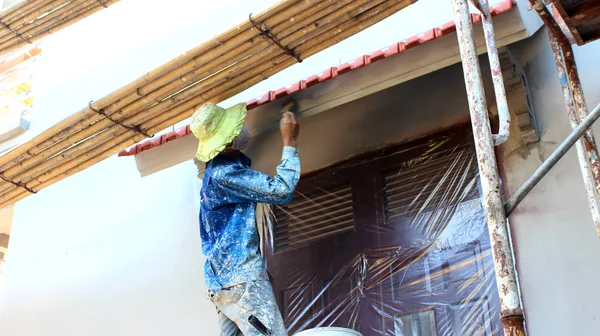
column 327, row 74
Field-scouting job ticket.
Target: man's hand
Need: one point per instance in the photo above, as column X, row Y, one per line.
column 289, row 129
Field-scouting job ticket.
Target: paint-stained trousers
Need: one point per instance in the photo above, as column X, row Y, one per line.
column 248, row 309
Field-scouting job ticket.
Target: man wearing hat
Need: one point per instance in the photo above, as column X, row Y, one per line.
column 234, row 271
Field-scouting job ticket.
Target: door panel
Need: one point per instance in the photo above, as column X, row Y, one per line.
column 391, row 243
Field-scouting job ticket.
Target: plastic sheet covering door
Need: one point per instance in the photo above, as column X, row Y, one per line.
column 391, row 243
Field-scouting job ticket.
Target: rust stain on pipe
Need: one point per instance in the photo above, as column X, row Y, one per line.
column 513, row 325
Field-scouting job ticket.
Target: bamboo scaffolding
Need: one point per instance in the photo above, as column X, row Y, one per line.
column 51, row 27
column 37, row 15
column 34, row 20
column 19, row 9
column 175, row 99
column 202, row 59
column 149, row 100
column 61, row 129
column 64, row 12
column 161, row 106
column 31, row 16
column 86, row 122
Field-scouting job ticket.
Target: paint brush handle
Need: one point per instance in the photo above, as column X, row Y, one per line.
column 289, row 106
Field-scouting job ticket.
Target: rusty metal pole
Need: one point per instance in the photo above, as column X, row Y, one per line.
column 582, row 154
column 587, row 150
column 589, row 141
column 511, row 313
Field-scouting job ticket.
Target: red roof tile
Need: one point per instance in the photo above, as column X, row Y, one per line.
column 328, row 74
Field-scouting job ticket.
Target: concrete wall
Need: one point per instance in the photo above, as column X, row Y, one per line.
column 556, row 245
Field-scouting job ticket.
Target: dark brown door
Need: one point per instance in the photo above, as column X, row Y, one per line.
column 390, row 243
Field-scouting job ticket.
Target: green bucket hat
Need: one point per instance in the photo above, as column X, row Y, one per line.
column 216, row 127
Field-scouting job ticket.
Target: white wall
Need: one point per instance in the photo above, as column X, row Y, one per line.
column 556, row 245
column 107, row 253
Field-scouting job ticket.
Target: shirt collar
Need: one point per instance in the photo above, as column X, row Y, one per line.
column 242, row 158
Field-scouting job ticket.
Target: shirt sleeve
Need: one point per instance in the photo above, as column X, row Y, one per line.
column 243, row 184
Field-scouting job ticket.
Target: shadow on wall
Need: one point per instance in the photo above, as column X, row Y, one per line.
column 397, row 115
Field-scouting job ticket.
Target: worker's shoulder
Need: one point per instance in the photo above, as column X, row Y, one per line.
column 219, row 168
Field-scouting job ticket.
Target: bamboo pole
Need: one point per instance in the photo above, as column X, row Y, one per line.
column 101, row 153
column 316, row 12
column 234, row 83
column 34, row 14
column 8, row 174
column 71, row 129
column 36, row 161
column 279, row 10
column 236, row 76
column 371, row 20
column 215, row 80
column 105, row 134
column 107, row 150
column 41, row 32
column 36, row 31
column 68, row 11
column 60, row 13
column 174, row 87
column 50, row 19
column 247, row 31
column 363, row 22
column 189, row 75
column 180, row 83
column 18, row 9
column 22, row 23
column 33, row 33
column 161, row 122
column 196, row 62
column 225, row 75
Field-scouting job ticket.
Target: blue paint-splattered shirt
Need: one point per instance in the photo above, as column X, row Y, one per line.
column 230, row 191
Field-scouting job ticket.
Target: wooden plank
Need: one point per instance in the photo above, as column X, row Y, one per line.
column 564, row 21
column 587, row 11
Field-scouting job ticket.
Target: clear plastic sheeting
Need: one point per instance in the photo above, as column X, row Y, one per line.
column 390, row 243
